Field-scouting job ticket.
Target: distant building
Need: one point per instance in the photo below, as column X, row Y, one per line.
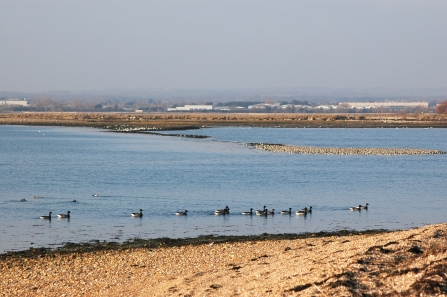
column 222, row 108
column 21, row 102
column 192, row 108
column 326, row 107
column 259, row 106
column 267, row 104
column 386, row 104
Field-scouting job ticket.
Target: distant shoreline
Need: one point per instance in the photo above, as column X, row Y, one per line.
column 133, row 122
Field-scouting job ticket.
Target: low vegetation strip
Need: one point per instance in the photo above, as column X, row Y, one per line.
column 292, row 149
column 176, row 121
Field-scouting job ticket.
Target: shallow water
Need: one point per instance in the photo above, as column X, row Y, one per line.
column 162, row 175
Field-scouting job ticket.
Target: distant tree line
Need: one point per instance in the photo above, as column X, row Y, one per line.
column 441, row 108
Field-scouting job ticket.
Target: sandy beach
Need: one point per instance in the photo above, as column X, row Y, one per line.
column 401, row 263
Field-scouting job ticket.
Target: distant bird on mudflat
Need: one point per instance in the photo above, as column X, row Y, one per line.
column 64, row 216
column 181, row 213
column 137, row 214
column 48, row 217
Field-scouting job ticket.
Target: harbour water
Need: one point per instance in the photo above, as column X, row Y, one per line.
column 163, row 175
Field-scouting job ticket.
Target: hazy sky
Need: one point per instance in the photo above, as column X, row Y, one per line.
column 215, row 44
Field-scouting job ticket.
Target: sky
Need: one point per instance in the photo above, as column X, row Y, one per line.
column 49, row 45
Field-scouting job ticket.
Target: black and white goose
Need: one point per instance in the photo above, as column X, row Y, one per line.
column 287, row 211
column 64, row 216
column 224, row 211
column 301, row 212
column 181, row 213
column 137, row 214
column 356, row 208
column 260, row 212
column 364, row 207
column 248, row 212
column 267, row 212
column 48, row 217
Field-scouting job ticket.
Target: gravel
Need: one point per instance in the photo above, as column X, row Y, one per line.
column 402, row 263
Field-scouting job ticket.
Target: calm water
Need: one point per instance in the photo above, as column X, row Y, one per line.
column 162, row 175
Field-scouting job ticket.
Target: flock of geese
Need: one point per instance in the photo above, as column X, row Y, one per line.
column 260, row 212
column 226, row 211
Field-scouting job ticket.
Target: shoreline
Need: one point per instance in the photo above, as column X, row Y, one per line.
column 163, row 242
column 398, row 263
column 183, row 121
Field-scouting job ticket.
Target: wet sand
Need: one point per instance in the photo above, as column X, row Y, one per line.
column 175, row 121
column 401, row 263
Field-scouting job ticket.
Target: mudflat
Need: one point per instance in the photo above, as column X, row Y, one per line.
column 401, row 263
column 167, row 121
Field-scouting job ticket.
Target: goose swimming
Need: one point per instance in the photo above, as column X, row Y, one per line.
column 181, row 213
column 48, row 217
column 356, row 208
column 261, row 212
column 287, row 211
column 303, row 211
column 137, row 214
column 95, row 195
column 270, row 212
column 364, row 207
column 224, row 211
column 248, row 212
column 63, row 216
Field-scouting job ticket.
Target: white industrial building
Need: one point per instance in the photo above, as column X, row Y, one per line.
column 21, row 102
column 191, row 108
column 386, row 104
